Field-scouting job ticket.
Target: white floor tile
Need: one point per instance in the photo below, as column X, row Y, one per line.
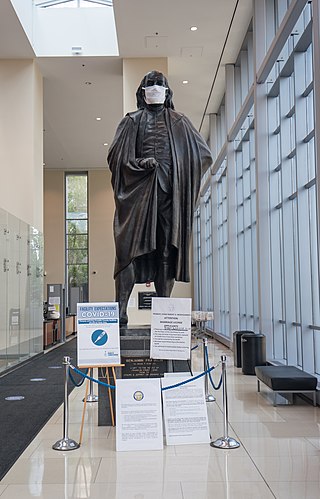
column 94, row 491
column 56, row 470
column 226, row 490
column 269, row 447
column 286, row 469
column 296, row 490
column 278, row 457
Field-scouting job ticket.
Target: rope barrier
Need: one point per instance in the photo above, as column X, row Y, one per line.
column 209, row 373
column 92, row 379
column 193, row 348
column 165, row 388
column 189, row 380
column 204, row 373
column 74, row 381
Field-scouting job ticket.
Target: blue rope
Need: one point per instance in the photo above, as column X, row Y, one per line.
column 163, row 389
column 92, row 379
column 74, row 381
column 210, row 377
column 193, row 348
column 188, row 380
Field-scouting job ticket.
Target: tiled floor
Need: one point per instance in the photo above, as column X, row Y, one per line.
column 279, row 456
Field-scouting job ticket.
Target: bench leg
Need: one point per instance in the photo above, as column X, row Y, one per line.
column 315, row 398
column 274, row 399
column 258, row 385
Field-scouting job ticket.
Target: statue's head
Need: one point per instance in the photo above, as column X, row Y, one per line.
column 150, row 80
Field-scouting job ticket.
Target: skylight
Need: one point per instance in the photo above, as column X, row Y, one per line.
column 73, row 3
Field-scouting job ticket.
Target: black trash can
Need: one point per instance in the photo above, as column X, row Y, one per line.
column 253, row 352
column 237, row 346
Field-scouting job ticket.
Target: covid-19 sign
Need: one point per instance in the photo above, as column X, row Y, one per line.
column 98, row 338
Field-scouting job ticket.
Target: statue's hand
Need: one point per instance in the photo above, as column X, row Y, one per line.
column 147, row 163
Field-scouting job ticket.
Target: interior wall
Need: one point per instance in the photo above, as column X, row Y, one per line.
column 21, row 137
column 101, row 244
column 134, row 70
column 54, row 242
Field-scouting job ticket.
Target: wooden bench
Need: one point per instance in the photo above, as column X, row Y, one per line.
column 286, row 380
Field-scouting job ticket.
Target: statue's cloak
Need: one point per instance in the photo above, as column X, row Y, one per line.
column 135, row 192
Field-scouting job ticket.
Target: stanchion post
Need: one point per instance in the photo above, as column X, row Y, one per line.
column 209, row 397
column 66, row 443
column 225, row 442
column 91, row 397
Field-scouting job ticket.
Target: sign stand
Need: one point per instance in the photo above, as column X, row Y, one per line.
column 91, row 397
column 112, row 366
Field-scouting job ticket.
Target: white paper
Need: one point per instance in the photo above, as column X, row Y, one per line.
column 185, row 412
column 54, row 300
column 138, row 414
column 171, row 328
column 98, row 338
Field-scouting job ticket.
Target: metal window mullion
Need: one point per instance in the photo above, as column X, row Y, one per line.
column 216, row 268
column 232, row 203
column 303, row 219
column 280, row 39
column 316, row 73
column 287, row 227
column 240, row 241
column 262, row 180
column 250, row 58
column 244, row 74
column 196, row 260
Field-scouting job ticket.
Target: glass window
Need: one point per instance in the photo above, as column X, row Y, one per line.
column 72, row 4
column 77, row 233
column 246, row 225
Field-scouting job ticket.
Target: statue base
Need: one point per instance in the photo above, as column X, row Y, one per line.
column 135, row 355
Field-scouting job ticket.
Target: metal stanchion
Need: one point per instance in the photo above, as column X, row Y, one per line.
column 66, row 443
column 91, row 397
column 209, row 397
column 225, row 442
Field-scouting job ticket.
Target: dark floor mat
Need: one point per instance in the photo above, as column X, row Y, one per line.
column 20, row 421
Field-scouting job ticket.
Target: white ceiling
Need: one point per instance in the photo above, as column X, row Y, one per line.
column 73, row 139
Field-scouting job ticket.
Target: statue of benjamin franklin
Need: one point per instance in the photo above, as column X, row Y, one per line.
column 157, row 159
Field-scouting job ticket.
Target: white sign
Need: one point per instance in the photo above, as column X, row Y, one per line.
column 171, row 328
column 185, row 412
column 98, row 338
column 138, row 414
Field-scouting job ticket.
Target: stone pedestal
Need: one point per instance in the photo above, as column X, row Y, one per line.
column 135, row 355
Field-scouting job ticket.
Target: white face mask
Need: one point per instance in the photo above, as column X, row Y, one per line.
column 156, row 94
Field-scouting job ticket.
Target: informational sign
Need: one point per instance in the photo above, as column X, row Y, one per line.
column 138, row 415
column 98, row 338
column 142, row 367
column 185, row 412
column 145, row 299
column 171, row 328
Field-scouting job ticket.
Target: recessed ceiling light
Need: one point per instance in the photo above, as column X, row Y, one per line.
column 98, row 119
column 106, row 144
column 185, row 82
column 193, row 28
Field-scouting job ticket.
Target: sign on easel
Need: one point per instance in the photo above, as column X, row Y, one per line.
column 98, row 338
column 185, row 412
column 138, row 415
column 171, row 328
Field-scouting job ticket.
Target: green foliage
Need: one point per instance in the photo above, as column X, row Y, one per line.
column 77, row 230
column 76, row 186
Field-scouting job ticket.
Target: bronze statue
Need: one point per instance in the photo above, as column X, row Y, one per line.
column 157, row 159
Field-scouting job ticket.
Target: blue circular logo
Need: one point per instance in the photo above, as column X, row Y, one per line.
column 99, row 337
